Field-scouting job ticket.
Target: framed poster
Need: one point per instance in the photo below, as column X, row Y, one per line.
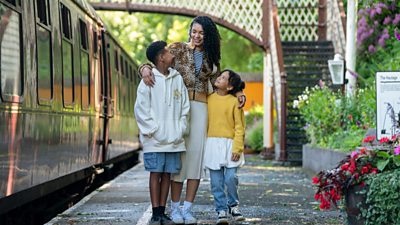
column 387, row 104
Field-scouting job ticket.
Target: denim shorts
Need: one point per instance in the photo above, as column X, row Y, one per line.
column 162, row 162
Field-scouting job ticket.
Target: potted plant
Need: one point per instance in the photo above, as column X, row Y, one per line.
column 353, row 180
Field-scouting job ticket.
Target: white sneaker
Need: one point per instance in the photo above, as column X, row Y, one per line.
column 176, row 215
column 188, row 217
column 222, row 218
column 236, row 214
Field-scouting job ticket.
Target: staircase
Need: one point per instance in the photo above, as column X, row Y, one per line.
column 305, row 63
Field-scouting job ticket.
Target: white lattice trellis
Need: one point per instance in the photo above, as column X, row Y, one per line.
column 298, row 20
column 244, row 14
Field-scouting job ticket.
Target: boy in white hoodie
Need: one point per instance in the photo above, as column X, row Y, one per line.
column 162, row 115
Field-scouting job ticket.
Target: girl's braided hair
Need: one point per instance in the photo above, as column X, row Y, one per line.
column 212, row 39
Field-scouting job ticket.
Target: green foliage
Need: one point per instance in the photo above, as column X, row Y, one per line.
column 318, row 107
column 345, row 140
column 254, row 115
column 136, row 31
column 383, row 198
column 382, row 60
column 255, row 135
column 376, row 42
column 334, row 120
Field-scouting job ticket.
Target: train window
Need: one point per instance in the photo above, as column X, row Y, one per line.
column 95, row 43
column 42, row 11
column 66, row 22
column 84, row 35
column 126, row 69
column 44, row 65
column 14, row 2
column 43, row 53
column 121, row 59
column 11, row 71
column 68, row 77
column 85, row 74
column 116, row 60
column 67, row 59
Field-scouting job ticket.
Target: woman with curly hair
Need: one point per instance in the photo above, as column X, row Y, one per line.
column 198, row 62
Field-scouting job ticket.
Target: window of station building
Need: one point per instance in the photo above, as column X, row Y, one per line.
column 85, row 72
column 11, row 71
column 67, row 60
column 44, row 52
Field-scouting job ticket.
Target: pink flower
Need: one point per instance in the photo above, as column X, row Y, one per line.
column 353, row 154
column 397, row 150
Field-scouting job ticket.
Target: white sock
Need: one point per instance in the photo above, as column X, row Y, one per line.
column 175, row 205
column 186, row 205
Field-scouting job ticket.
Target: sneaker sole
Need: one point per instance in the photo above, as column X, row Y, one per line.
column 240, row 219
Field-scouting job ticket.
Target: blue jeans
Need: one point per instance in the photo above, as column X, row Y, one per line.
column 220, row 178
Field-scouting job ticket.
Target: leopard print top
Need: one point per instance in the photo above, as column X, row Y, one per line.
column 184, row 64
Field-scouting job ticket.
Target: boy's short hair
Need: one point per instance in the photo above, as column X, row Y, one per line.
column 154, row 50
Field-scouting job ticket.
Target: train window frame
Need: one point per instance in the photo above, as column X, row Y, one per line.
column 46, row 4
column 84, row 50
column 116, row 60
column 95, row 43
column 121, row 61
column 8, row 97
column 16, row 6
column 126, row 69
column 46, row 27
column 67, row 37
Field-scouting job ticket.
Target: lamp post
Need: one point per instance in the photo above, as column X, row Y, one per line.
column 337, row 67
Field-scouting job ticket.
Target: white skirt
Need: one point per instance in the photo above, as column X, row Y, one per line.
column 195, row 142
column 218, row 153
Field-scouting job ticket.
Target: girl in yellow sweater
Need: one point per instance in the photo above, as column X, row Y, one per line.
column 224, row 146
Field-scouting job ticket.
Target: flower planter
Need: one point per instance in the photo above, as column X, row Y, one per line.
column 317, row 159
column 354, row 202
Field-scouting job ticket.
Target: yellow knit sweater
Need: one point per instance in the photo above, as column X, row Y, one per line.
column 226, row 120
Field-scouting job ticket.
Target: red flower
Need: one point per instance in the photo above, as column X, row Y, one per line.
column 315, row 180
column 350, row 117
column 364, row 170
column 369, row 139
column 384, row 140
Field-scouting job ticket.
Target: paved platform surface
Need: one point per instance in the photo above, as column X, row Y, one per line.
column 269, row 194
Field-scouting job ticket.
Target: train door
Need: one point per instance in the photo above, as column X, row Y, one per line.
column 107, row 103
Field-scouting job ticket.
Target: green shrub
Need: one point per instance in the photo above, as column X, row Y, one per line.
column 254, row 136
column 334, row 120
column 319, row 108
column 254, row 115
column 383, row 198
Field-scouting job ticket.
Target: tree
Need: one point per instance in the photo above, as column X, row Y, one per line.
column 135, row 31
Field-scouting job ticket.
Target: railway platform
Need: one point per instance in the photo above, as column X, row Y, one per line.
column 269, row 194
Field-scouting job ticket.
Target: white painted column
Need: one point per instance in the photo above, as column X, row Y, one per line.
column 351, row 28
column 267, row 100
